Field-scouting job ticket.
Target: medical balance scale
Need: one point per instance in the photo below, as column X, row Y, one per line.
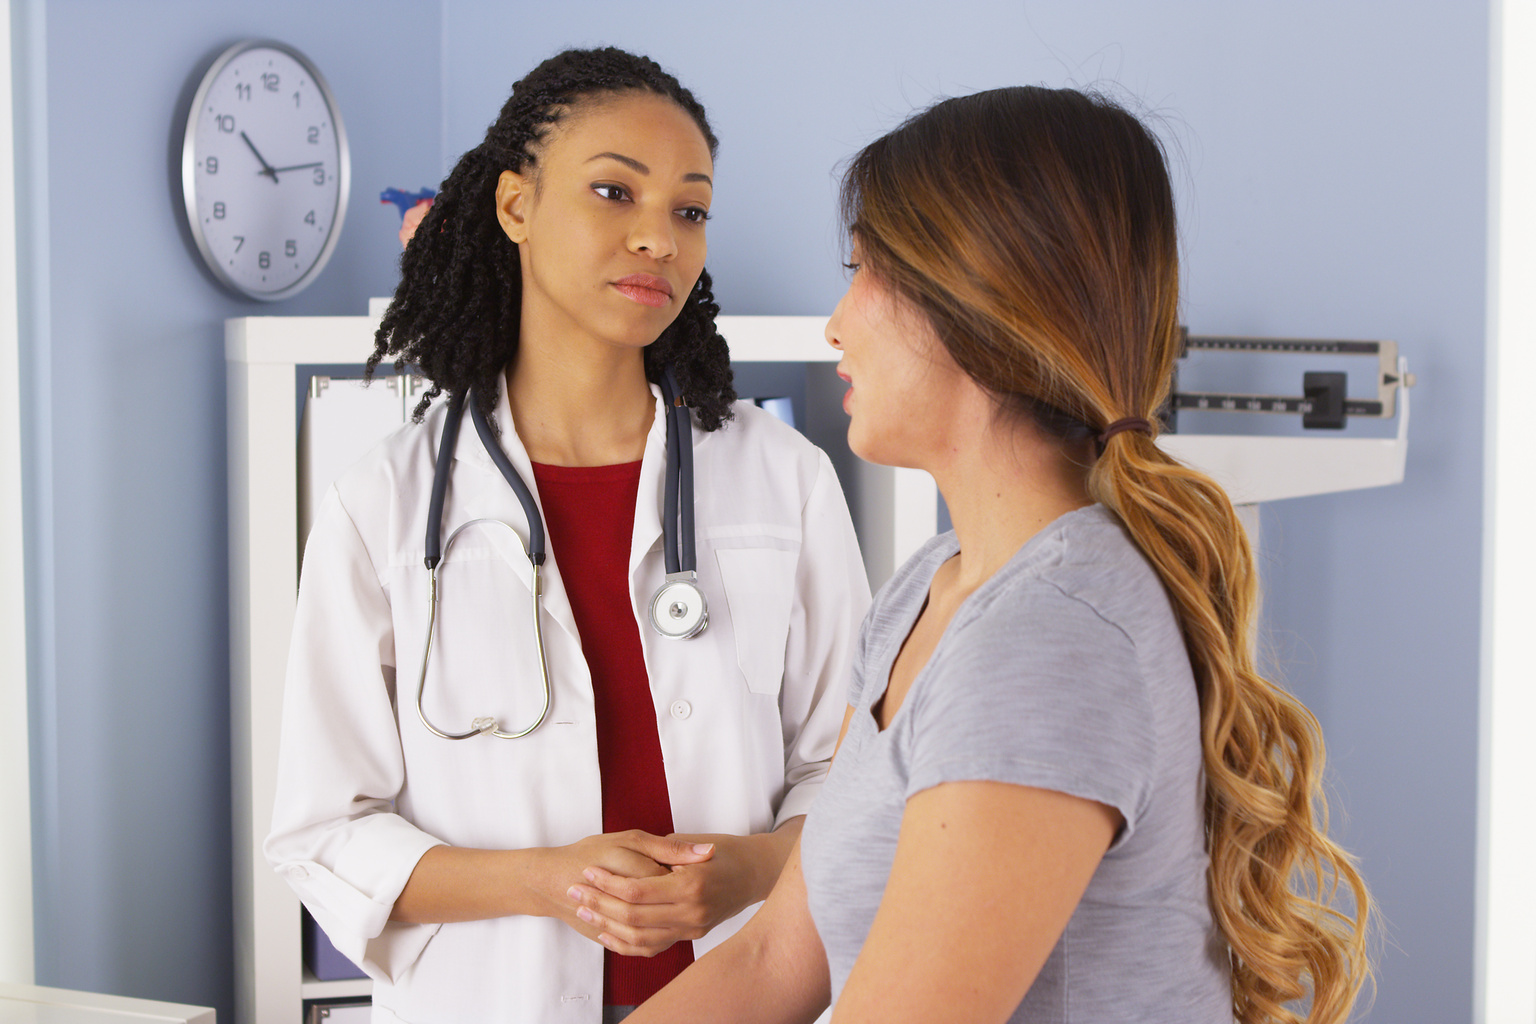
column 299, row 417
column 1255, row 469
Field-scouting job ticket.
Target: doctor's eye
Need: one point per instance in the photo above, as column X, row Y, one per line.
column 852, row 268
column 694, row 214
column 615, row 193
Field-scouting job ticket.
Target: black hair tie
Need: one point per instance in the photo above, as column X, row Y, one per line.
column 1135, row 423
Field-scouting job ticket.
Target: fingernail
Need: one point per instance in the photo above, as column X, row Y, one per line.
column 590, row 876
column 702, row 848
column 574, row 893
column 584, row 914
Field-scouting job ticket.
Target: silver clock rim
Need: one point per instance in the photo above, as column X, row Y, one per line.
column 189, row 169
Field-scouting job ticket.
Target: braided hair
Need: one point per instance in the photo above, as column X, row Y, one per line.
column 457, row 310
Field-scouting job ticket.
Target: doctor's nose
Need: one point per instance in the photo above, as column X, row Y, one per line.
column 653, row 235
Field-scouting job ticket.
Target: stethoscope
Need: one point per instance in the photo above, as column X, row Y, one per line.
column 677, row 611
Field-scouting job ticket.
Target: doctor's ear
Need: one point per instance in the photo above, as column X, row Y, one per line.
column 513, row 192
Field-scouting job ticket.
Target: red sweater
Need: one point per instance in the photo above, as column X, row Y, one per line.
column 589, row 513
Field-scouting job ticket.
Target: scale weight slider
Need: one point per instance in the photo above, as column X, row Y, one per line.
column 1325, row 395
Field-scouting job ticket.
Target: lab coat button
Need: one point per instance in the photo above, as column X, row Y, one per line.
column 681, row 709
column 298, row 872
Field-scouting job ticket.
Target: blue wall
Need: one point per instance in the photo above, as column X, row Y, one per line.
column 1332, row 175
column 126, row 420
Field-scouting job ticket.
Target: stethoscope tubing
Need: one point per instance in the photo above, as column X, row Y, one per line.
column 484, row 724
column 436, row 549
column 515, row 481
column 677, row 540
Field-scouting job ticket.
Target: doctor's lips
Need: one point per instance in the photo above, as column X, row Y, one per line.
column 646, row 289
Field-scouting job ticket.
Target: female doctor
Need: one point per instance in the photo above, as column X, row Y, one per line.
column 454, row 760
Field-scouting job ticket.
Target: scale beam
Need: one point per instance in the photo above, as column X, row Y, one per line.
column 1323, row 403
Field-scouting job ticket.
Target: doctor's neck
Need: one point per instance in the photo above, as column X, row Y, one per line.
column 579, row 406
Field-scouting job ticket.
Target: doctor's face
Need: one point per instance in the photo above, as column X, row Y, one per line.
column 610, row 220
column 904, row 388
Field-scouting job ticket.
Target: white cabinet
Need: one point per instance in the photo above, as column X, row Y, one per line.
column 894, row 512
column 34, row 1004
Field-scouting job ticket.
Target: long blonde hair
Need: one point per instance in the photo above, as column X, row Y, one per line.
column 1035, row 228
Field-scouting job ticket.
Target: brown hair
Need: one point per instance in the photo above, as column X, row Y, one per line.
column 1035, row 229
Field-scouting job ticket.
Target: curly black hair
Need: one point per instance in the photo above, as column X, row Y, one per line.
column 457, row 309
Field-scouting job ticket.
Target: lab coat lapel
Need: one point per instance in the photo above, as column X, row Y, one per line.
column 557, row 604
column 646, row 536
column 647, row 532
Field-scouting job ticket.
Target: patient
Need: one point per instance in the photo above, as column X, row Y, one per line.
column 1063, row 792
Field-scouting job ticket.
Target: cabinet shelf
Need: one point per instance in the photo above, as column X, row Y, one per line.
column 311, row 987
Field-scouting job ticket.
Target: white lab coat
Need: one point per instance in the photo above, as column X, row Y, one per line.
column 748, row 712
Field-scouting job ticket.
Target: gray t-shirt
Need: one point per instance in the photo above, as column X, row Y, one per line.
column 1065, row 671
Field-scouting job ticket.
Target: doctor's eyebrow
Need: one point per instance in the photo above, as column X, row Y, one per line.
column 632, row 163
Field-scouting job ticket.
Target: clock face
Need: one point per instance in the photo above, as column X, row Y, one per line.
column 265, row 170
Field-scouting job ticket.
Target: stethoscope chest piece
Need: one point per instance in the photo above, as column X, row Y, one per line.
column 678, row 610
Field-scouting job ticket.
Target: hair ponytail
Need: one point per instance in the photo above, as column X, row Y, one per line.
column 1274, row 873
column 1035, row 229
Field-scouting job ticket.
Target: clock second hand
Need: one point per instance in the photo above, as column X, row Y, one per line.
column 298, row 167
column 266, row 168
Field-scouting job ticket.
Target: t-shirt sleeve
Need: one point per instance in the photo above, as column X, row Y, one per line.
column 1039, row 690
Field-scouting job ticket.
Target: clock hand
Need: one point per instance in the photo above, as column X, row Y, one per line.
column 266, row 168
column 298, row 167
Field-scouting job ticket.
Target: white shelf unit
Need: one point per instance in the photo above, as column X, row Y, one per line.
column 894, row 512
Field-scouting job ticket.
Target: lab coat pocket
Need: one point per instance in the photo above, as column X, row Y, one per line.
column 760, row 589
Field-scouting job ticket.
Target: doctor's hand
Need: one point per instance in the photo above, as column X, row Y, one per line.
column 642, row 915
column 452, row 883
column 629, row 855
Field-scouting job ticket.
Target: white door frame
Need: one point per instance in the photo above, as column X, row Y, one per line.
column 1505, row 956
column 16, row 952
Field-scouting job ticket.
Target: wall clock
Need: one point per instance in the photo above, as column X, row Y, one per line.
column 265, row 170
